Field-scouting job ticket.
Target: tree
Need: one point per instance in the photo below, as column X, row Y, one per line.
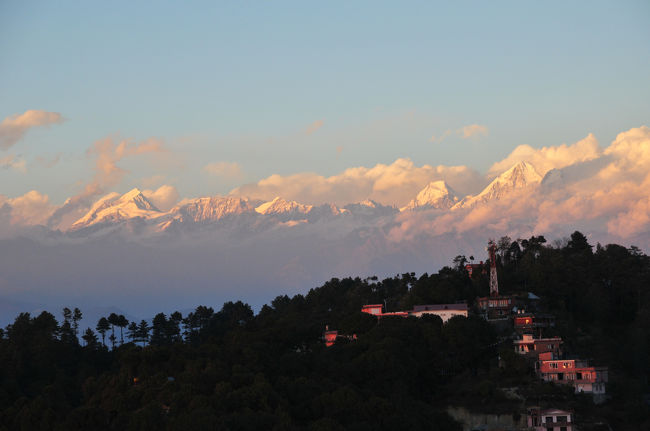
column 159, row 330
column 113, row 319
column 67, row 332
column 76, row 318
column 122, row 323
column 132, row 332
column 143, row 332
column 578, row 244
column 90, row 338
column 112, row 339
column 102, row 327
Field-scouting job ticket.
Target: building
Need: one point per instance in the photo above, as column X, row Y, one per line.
column 496, row 307
column 444, row 311
column 531, row 323
column 532, row 347
column 330, row 337
column 550, row 419
column 475, row 268
column 575, row 372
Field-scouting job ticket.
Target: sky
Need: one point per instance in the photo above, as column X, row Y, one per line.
column 210, row 96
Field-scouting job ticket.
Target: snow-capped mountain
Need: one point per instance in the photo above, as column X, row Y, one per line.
column 210, row 209
column 134, row 211
column 205, row 210
column 114, row 208
column 520, row 176
column 369, row 209
column 284, row 209
column 436, row 194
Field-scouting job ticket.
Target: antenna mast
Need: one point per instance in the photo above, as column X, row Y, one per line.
column 494, row 283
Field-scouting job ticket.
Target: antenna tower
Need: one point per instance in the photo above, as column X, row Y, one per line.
column 494, row 283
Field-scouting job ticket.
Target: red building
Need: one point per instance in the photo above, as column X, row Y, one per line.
column 330, row 337
column 575, row 372
column 529, row 323
column 532, row 347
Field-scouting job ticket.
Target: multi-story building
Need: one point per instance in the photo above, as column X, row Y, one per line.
column 532, row 347
column 575, row 372
column 531, row 323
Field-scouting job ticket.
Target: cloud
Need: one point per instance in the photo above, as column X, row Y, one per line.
column 164, row 197
column 553, row 157
column 226, row 170
column 14, row 127
column 473, row 130
column 393, row 184
column 107, row 153
column 32, row 208
column 12, row 162
column 314, row 127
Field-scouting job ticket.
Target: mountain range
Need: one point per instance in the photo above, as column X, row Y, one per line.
column 133, row 208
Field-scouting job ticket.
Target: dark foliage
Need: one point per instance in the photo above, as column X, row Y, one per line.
column 234, row 370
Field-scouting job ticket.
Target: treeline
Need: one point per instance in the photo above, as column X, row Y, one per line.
column 232, row 369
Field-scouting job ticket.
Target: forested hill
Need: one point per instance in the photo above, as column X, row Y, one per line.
column 231, row 369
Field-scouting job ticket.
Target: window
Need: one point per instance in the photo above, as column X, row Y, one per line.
column 549, row 420
column 562, row 428
column 560, row 419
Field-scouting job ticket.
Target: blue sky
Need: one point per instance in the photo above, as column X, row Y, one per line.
column 241, row 82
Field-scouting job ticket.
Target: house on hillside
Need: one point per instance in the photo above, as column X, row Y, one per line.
column 531, row 347
column 531, row 323
column 444, row 311
column 475, row 268
column 576, row 372
column 496, row 307
column 331, row 336
column 539, row 419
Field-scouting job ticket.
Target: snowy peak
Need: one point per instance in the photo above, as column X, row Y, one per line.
column 116, row 208
column 520, row 176
column 279, row 206
column 369, row 209
column 436, row 194
column 210, row 209
column 137, row 199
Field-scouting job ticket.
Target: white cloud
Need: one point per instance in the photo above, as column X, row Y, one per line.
column 393, row 184
column 107, row 153
column 547, row 158
column 225, row 170
column 32, row 208
column 14, row 127
column 164, row 197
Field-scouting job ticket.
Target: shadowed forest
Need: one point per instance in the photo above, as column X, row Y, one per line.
column 230, row 369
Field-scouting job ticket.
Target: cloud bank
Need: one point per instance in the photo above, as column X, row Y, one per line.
column 393, row 184
column 14, row 127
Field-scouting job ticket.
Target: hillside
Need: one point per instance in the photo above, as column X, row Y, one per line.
column 232, row 369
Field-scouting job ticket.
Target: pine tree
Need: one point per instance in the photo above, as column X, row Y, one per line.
column 102, row 327
column 143, row 332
